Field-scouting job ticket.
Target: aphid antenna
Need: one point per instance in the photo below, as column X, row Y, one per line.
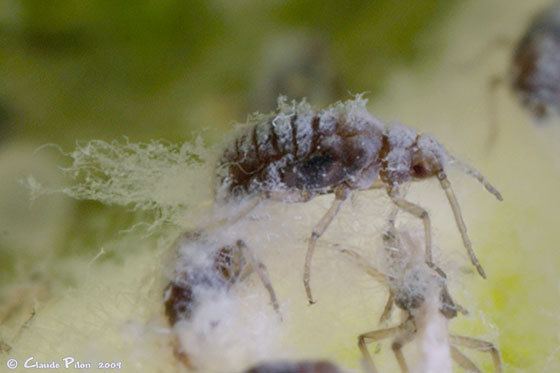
column 364, row 264
column 473, row 172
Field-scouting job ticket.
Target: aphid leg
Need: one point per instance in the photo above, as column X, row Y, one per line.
column 378, row 335
column 463, row 361
column 363, row 263
column 341, row 194
column 480, row 345
column 446, row 185
column 448, row 306
column 180, row 353
column 261, row 271
column 420, row 213
column 388, row 310
column 397, row 346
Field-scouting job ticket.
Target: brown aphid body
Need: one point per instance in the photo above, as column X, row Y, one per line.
column 535, row 75
column 319, row 366
column 297, row 153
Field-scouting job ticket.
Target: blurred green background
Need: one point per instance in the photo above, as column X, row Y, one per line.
column 73, row 70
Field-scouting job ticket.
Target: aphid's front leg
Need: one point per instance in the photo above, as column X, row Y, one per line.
column 378, row 335
column 446, row 185
column 480, row 345
column 420, row 213
column 341, row 194
column 463, row 361
column 262, row 272
column 369, row 269
column 388, row 309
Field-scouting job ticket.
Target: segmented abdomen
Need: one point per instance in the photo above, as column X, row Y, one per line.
column 308, row 151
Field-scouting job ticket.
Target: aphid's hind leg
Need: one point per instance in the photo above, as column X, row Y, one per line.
column 397, row 346
column 341, row 194
column 420, row 213
column 480, row 345
column 262, row 272
column 377, row 335
column 463, row 361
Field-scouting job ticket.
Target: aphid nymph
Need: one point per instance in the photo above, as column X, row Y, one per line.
column 194, row 280
column 418, row 292
column 298, row 153
column 535, row 73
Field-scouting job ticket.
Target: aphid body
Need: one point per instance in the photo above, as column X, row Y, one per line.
column 297, row 153
column 426, row 307
column 535, row 75
column 205, row 276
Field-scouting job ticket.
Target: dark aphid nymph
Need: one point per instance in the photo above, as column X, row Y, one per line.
column 193, row 280
column 535, row 73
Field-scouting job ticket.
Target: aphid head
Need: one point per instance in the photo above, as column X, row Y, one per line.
column 428, row 158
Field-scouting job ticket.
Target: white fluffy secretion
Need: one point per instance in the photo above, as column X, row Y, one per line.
column 433, row 337
column 158, row 177
column 229, row 333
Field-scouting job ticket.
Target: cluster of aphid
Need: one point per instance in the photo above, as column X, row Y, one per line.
column 296, row 154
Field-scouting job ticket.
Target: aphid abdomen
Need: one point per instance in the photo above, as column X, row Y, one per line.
column 306, row 152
